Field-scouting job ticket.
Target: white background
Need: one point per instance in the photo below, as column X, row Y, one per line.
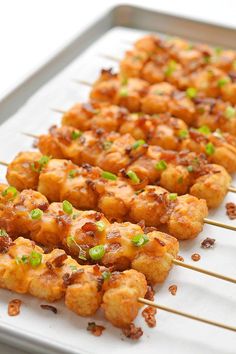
column 31, row 31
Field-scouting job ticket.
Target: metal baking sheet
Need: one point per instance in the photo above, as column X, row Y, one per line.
column 27, row 108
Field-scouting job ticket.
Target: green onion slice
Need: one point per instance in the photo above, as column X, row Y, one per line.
column 123, row 92
column 161, row 165
column 36, row 214
column 204, row 129
column 210, row 149
column 100, row 226
column 106, row 275
column 97, row 252
column 230, row 112
column 67, row 207
column 3, row 233
column 10, row 192
column 76, row 134
column 191, row 92
column 173, row 196
column 138, row 143
column 108, row 175
column 132, row 175
column 183, row 134
column 140, row 240
column 35, row 258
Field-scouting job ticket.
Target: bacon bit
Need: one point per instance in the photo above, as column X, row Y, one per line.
column 43, row 206
column 150, row 293
column 91, row 184
column 98, row 216
column 49, row 307
column 196, row 257
column 14, row 307
column 5, row 243
column 87, row 167
column 113, row 234
column 95, row 329
column 89, row 226
column 208, row 243
column 96, row 270
column 132, row 331
column 231, row 210
column 149, row 315
column 123, row 173
column 180, row 258
column 173, row 289
column 59, row 260
column 148, row 229
column 69, row 279
column 160, row 241
column 141, row 223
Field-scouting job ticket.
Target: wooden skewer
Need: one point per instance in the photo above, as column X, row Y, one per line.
column 187, row 315
column 204, row 271
column 232, row 189
column 83, row 82
column 110, row 57
column 219, row 224
column 207, row 221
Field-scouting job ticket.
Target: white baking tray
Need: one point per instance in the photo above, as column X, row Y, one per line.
column 27, row 108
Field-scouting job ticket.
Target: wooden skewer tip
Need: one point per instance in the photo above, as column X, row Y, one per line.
column 187, row 315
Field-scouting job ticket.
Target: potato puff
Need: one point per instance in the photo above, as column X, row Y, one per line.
column 15, row 215
column 79, row 115
column 224, row 59
column 228, row 92
column 151, row 44
column 223, row 147
column 26, row 269
column 161, row 98
column 180, row 216
column 207, row 81
column 53, row 176
column 216, row 114
column 132, row 63
column 153, row 258
column 20, row 165
column 120, row 301
column 213, row 185
column 118, row 92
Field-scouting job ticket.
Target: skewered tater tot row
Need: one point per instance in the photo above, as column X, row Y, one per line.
column 162, row 130
column 87, row 235
column 210, row 75
column 90, row 187
column 190, row 55
column 26, row 269
column 178, row 172
column 138, row 95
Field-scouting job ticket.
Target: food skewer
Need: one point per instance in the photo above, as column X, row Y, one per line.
column 137, row 95
column 88, row 236
column 90, row 187
column 163, row 130
column 70, row 281
column 185, row 69
column 178, row 172
column 188, row 54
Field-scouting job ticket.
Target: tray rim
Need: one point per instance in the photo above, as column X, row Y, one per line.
column 10, row 334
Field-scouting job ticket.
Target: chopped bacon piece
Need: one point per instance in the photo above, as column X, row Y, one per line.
column 149, row 316
column 132, row 331
column 14, row 307
column 95, row 329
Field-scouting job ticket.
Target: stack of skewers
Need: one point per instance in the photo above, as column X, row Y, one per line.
column 95, row 215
